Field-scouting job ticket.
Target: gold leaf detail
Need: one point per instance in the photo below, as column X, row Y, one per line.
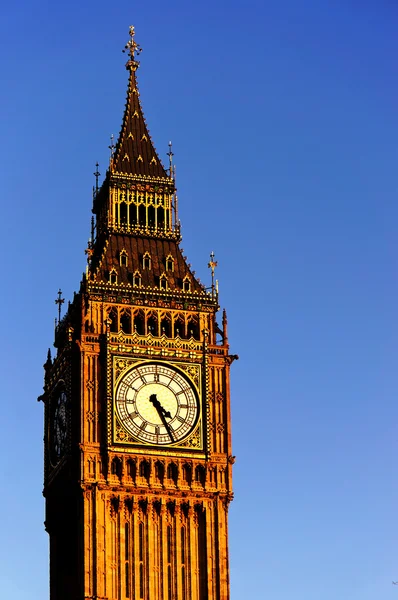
column 144, row 137
column 121, row 434
column 194, row 441
column 126, row 157
column 192, row 371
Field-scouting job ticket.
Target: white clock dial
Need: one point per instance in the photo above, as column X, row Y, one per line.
column 156, row 404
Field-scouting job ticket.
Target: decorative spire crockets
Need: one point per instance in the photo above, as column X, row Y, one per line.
column 135, row 153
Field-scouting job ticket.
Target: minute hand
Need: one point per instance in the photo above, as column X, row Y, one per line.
column 162, row 414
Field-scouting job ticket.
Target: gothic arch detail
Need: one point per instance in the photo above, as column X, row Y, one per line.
column 113, row 276
column 146, row 261
column 163, row 282
column 169, row 263
column 123, row 258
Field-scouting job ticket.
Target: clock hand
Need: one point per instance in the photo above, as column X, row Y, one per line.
column 167, row 426
column 162, row 414
column 158, row 406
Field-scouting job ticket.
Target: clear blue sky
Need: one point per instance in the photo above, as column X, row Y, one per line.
column 283, row 117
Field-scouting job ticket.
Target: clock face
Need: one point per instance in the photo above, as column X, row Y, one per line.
column 59, row 426
column 157, row 404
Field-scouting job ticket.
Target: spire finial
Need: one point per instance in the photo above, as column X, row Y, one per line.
column 60, row 302
column 170, row 154
column 90, row 245
column 112, row 147
column 225, row 326
column 133, row 50
column 96, row 175
column 212, row 265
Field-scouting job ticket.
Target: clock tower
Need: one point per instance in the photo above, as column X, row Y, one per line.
column 137, row 438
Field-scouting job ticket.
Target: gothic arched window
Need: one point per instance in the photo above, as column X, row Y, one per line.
column 116, row 467
column 187, row 473
column 193, row 328
column 159, row 471
column 131, row 468
column 151, row 215
column 146, row 261
column 112, row 276
column 152, row 324
column 114, row 325
column 125, row 321
column 165, row 326
column 163, row 283
column 200, row 474
column 123, row 213
column 172, row 472
column 133, row 214
column 161, row 217
column 169, row 263
column 179, row 327
column 142, row 214
column 145, row 469
column 137, row 280
column 123, row 258
column 139, row 323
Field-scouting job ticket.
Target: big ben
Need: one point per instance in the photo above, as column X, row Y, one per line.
column 137, row 436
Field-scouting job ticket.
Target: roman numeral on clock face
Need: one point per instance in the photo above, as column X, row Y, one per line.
column 171, row 381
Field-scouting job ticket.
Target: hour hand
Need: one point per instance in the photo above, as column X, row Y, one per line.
column 159, row 407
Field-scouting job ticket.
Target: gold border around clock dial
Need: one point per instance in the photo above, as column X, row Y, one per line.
column 171, row 415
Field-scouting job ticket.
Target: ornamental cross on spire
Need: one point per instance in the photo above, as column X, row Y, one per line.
column 133, row 49
column 170, row 154
column 112, row 147
column 96, row 175
column 60, row 302
column 212, row 265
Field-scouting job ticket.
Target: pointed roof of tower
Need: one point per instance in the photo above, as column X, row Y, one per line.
column 135, row 153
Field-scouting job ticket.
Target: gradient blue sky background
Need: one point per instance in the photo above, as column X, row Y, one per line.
column 283, row 117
